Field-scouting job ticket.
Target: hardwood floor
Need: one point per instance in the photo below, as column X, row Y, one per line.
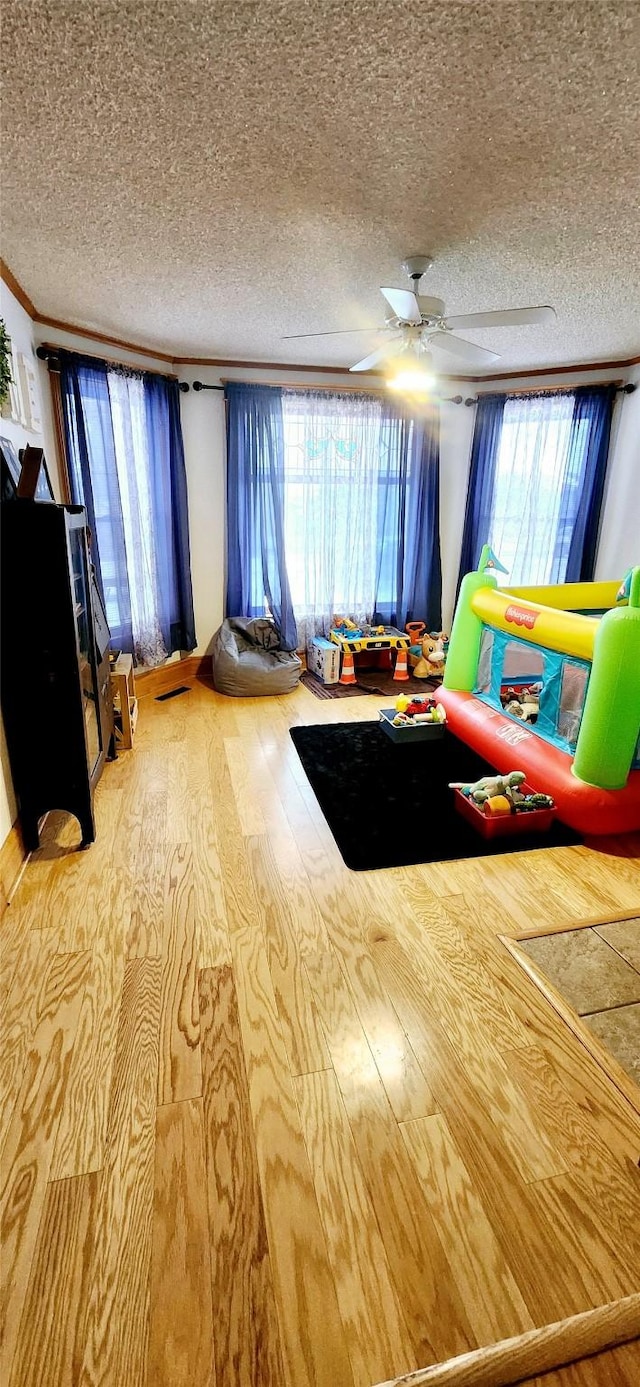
column 270, row 1123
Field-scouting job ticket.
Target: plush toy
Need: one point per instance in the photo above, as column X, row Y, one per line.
column 489, row 786
column 501, row 794
column 526, row 707
column 514, row 707
column 432, row 660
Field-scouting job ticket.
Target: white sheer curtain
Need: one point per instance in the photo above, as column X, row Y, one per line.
column 536, row 494
column 128, row 413
column 334, row 454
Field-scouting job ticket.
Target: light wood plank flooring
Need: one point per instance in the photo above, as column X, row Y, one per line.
column 270, row 1123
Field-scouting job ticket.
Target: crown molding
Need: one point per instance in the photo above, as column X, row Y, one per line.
column 108, row 341
column 267, row 366
column 16, row 289
column 23, row 298
column 578, row 368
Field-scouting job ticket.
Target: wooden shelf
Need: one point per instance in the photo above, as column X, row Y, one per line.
column 125, row 703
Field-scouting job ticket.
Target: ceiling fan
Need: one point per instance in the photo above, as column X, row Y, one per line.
column 418, row 325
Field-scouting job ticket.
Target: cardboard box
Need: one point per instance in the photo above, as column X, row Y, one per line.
column 323, row 659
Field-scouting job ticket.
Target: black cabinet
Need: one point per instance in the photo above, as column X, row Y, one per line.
column 55, row 666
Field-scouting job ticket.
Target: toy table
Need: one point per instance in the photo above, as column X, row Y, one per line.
column 370, row 638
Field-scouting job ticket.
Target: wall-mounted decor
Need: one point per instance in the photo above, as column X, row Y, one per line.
column 12, row 405
column 5, row 364
column 29, row 393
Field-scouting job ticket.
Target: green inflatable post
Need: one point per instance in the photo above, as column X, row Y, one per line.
column 463, row 654
column 610, row 723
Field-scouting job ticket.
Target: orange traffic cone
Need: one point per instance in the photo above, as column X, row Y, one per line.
column 347, row 673
column 401, row 671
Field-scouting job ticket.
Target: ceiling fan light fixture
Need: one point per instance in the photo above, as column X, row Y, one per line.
column 412, row 374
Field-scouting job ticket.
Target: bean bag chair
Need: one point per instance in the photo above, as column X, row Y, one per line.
column 248, row 662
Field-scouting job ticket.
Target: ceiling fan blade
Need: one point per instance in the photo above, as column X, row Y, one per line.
column 391, row 348
column 339, row 332
column 404, row 304
column 504, row 317
column 466, row 351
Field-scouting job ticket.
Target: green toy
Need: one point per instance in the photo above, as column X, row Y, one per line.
column 490, row 785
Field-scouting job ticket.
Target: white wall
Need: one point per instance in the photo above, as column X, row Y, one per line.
column 20, row 329
column 619, row 546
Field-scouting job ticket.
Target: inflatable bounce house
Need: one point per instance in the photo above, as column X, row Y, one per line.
column 547, row 680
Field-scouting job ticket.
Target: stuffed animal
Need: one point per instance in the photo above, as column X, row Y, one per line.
column 490, row 786
column 432, row 660
column 526, row 707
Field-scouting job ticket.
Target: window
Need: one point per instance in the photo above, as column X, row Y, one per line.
column 332, row 508
column 338, row 472
column 126, row 466
column 352, row 476
column 537, row 487
column 536, row 483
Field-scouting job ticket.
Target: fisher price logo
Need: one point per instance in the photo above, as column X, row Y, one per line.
column 520, row 616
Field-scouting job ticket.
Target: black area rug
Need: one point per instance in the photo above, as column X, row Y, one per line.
column 390, row 806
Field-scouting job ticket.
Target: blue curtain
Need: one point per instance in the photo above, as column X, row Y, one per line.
column 256, row 565
column 409, row 565
column 484, row 454
column 95, row 474
column 588, row 453
column 170, row 511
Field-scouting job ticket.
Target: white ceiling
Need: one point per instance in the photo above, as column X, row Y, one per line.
column 205, row 177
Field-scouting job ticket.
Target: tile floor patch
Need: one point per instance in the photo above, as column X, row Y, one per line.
column 624, row 936
column 619, row 1031
column 585, row 969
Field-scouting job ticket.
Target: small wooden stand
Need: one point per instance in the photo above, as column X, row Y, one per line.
column 125, row 703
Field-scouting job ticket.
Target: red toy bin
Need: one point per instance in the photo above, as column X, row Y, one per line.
column 504, row 825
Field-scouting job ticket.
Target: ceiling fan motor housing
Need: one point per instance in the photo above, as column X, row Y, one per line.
column 417, row 265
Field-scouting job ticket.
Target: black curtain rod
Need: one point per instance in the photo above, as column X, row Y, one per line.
column 628, row 389
column 52, row 358
column 199, row 385
column 49, row 355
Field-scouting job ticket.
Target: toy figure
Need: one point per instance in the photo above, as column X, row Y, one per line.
column 489, row 786
column 433, row 657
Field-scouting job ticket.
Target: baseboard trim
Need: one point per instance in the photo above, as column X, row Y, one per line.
column 166, row 677
column 536, row 1352
column 13, row 856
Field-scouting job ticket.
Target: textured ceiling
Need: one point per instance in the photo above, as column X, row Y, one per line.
column 206, row 177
